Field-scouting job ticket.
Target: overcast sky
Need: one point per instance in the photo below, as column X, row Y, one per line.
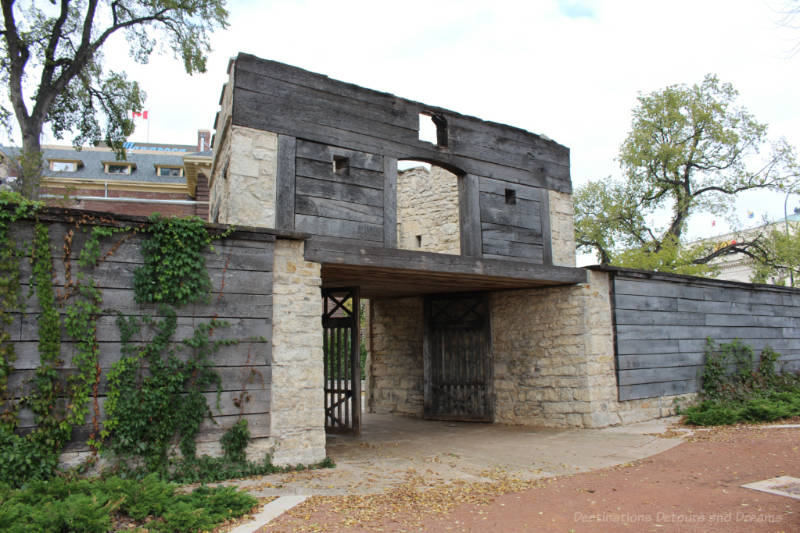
column 570, row 70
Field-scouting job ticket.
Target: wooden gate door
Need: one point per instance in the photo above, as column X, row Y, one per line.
column 458, row 359
column 340, row 346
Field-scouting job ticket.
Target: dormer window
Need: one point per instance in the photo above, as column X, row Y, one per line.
column 169, row 171
column 118, row 167
column 65, row 165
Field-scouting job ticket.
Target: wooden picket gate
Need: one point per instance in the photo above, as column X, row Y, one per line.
column 340, row 324
column 458, row 359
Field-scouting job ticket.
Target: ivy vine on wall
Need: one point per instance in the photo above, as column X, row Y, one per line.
column 156, row 390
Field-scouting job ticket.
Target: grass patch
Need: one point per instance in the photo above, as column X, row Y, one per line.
column 736, row 387
column 101, row 504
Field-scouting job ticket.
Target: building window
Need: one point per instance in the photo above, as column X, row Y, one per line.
column 63, row 166
column 115, row 167
column 169, row 171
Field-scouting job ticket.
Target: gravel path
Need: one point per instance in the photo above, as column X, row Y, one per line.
column 695, row 486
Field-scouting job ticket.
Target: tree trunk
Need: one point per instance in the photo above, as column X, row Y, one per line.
column 30, row 161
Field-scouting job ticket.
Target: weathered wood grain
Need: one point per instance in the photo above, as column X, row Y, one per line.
column 662, row 324
column 390, row 202
column 469, row 215
column 286, row 100
column 339, row 209
column 334, row 227
column 338, row 191
column 323, row 153
column 285, row 182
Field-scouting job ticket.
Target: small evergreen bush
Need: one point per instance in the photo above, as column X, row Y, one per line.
column 736, row 388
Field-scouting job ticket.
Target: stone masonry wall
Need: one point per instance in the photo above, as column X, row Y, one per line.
column 244, row 171
column 562, row 229
column 396, row 372
column 246, row 180
column 427, row 206
column 554, row 359
column 297, row 409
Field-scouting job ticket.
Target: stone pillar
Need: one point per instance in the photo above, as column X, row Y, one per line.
column 297, row 410
column 396, row 383
column 251, row 174
column 562, row 228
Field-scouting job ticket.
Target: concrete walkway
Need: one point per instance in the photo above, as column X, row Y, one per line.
column 392, row 448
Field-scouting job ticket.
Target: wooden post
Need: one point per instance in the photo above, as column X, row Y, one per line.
column 469, row 215
column 284, row 182
column 389, row 202
column 547, row 239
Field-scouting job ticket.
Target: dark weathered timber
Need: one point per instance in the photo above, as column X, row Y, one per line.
column 654, row 390
column 334, row 227
column 341, row 360
column 524, row 214
column 324, row 207
column 509, row 249
column 310, row 168
column 322, row 153
column 544, row 214
column 284, row 182
column 498, row 187
column 469, row 215
column 290, row 101
column 662, row 323
column 458, row 379
column 390, row 202
column 331, row 253
column 500, row 232
column 339, row 191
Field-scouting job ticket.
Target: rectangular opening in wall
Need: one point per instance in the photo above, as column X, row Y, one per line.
column 419, row 241
column 511, row 197
column 341, row 165
column 433, row 129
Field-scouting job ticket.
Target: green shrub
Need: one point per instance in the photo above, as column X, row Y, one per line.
column 734, row 388
column 90, row 505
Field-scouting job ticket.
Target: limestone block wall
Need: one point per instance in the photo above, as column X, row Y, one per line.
column 298, row 414
column 554, row 359
column 427, row 207
column 562, row 229
column 245, row 167
column 395, row 383
column 243, row 191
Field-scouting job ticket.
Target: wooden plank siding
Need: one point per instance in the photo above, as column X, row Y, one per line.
column 241, row 276
column 348, row 203
column 512, row 227
column 374, row 130
column 662, row 323
column 287, row 100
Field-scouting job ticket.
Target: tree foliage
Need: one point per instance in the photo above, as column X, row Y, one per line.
column 690, row 150
column 51, row 63
column 783, row 264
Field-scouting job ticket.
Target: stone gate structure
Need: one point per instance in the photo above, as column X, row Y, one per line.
column 462, row 243
column 468, row 264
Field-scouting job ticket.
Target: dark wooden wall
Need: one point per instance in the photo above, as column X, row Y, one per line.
column 245, row 265
column 317, row 117
column 662, row 323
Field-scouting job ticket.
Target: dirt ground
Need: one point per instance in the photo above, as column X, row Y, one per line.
column 695, row 486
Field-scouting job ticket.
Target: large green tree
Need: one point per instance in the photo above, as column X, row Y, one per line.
column 51, row 64
column 690, row 150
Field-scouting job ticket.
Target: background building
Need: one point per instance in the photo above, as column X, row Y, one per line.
column 166, row 178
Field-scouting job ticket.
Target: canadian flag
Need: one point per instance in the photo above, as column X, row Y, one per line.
column 140, row 114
